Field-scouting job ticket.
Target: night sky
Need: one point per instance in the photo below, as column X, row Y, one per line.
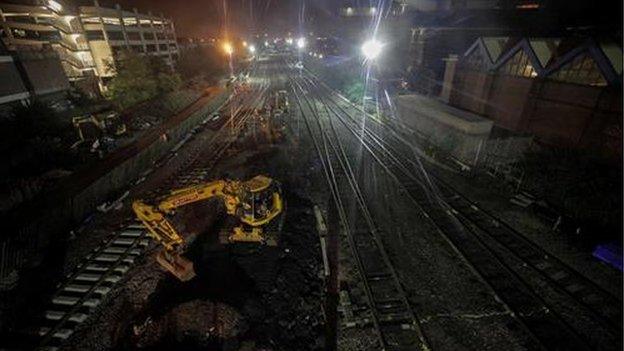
column 203, row 18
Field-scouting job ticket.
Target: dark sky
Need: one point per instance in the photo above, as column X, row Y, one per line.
column 207, row 17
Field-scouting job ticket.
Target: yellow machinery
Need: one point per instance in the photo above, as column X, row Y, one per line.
column 109, row 124
column 255, row 202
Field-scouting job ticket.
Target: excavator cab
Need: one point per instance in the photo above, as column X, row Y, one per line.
column 260, row 203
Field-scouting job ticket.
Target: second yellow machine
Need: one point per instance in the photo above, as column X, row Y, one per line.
column 255, row 202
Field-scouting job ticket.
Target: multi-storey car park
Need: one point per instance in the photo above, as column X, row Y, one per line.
column 86, row 38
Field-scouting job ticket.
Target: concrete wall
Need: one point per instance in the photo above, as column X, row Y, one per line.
column 102, row 57
column 118, row 177
column 460, row 133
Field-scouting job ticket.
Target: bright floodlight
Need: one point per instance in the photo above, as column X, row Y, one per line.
column 252, row 48
column 244, row 43
column 371, row 49
column 301, row 43
column 227, row 47
column 289, row 41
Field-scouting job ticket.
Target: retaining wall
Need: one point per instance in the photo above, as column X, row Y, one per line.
column 33, row 226
column 460, row 133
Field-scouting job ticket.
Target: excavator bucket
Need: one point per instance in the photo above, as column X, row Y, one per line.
column 179, row 266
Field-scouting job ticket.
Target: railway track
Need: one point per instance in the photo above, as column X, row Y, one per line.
column 464, row 224
column 83, row 291
column 391, row 315
column 86, row 288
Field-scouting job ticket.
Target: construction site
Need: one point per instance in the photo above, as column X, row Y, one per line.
column 257, row 175
column 281, row 221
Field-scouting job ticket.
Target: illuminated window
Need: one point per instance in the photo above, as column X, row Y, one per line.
column 518, row 65
column 55, row 6
column 91, row 20
column 130, row 21
column 582, row 70
column 111, row 20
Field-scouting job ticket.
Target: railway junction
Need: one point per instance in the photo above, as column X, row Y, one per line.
column 375, row 248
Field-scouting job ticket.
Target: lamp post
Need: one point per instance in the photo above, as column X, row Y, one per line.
column 371, row 49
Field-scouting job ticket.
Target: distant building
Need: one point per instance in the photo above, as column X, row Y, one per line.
column 28, row 73
column 452, row 26
column 564, row 91
column 86, row 38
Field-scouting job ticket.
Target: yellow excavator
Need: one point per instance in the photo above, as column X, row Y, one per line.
column 255, row 202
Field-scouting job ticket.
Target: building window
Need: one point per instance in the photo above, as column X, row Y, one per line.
column 130, row 22
column 163, row 47
column 117, row 51
column 134, row 36
column 137, row 48
column 474, row 61
column 115, row 35
column 582, row 70
column 111, row 20
column 91, row 20
column 95, row 35
column 22, row 19
column 151, row 48
column 148, row 36
column 519, row 65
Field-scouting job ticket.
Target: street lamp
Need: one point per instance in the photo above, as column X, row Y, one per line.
column 252, row 48
column 301, row 43
column 371, row 49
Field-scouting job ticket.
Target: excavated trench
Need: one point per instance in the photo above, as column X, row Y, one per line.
column 244, row 297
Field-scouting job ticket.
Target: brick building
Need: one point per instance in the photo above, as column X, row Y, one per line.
column 564, row 91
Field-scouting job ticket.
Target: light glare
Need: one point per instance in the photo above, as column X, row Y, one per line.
column 227, row 47
column 371, row 49
column 301, row 43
